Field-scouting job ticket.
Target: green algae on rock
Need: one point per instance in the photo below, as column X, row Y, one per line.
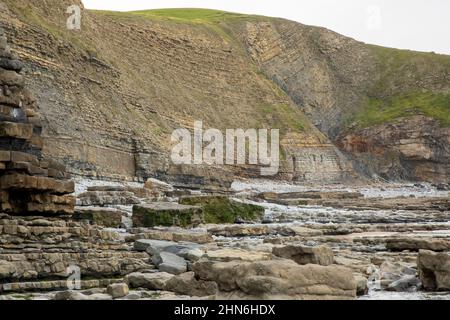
column 220, row 209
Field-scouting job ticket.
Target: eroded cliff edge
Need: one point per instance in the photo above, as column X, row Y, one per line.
column 112, row 93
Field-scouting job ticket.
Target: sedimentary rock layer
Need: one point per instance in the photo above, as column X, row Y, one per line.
column 29, row 183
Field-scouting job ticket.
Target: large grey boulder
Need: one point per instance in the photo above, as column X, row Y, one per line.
column 170, row 263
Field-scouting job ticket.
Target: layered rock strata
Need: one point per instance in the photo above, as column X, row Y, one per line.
column 29, row 183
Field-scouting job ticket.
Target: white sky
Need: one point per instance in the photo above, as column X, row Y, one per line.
column 422, row 25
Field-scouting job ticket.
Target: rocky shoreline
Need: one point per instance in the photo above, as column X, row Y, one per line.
column 350, row 247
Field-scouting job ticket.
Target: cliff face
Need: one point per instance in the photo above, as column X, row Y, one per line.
column 373, row 102
column 411, row 148
column 112, row 93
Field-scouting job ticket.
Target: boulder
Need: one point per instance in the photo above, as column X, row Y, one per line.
column 118, row 290
column 105, row 217
column 11, row 78
column 70, row 295
column 390, row 272
column 322, row 255
column 277, row 279
column 170, row 263
column 166, row 214
column 221, row 209
column 10, row 64
column 361, row 285
column 150, row 281
column 434, row 270
column 187, row 284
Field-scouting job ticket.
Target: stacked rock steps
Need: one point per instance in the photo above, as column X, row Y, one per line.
column 54, row 285
column 38, row 253
column 110, row 206
column 28, row 183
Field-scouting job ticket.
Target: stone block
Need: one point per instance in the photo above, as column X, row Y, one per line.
column 166, row 214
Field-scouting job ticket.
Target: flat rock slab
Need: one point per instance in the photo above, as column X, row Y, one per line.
column 102, row 198
column 228, row 254
column 416, row 244
column 166, row 214
column 154, row 247
column 238, row 230
column 170, row 235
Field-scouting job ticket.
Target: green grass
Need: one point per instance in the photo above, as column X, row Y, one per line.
column 402, row 88
column 182, row 15
column 206, row 18
column 378, row 111
column 188, row 14
column 395, row 65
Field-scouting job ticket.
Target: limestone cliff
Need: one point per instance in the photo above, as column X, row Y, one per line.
column 394, row 102
column 111, row 93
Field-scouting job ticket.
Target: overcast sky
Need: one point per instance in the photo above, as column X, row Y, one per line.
column 422, row 25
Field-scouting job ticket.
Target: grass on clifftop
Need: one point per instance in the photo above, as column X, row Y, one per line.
column 386, row 110
column 188, row 14
column 183, row 15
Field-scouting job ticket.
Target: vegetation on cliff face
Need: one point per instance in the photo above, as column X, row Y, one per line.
column 408, row 83
column 188, row 14
column 379, row 111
